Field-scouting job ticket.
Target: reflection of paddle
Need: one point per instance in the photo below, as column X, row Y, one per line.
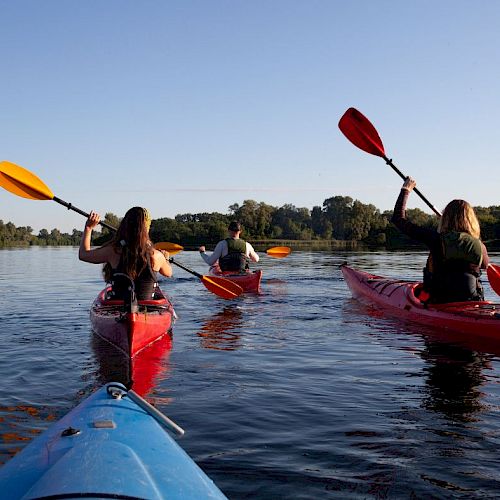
column 222, row 287
column 360, row 131
column 24, row 183
column 278, row 252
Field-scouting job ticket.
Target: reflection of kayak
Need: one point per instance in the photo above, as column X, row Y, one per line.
column 131, row 331
column 110, row 446
column 140, row 373
column 480, row 319
column 249, row 281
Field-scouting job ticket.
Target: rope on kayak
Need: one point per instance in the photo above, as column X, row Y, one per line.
column 118, row 391
column 156, row 414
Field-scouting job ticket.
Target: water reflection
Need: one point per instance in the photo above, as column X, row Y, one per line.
column 141, row 373
column 454, row 362
column 221, row 331
column 454, row 377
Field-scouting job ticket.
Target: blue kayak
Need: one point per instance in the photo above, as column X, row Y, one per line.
column 112, row 445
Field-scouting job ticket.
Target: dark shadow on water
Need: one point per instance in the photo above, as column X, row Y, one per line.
column 454, row 378
column 454, row 362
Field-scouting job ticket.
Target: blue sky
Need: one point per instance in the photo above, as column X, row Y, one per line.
column 191, row 106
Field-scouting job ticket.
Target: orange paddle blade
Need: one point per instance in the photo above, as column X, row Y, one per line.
column 493, row 272
column 222, row 287
column 171, row 248
column 22, row 182
column 279, row 252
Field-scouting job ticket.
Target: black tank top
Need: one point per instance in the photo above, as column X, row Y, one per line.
column 144, row 284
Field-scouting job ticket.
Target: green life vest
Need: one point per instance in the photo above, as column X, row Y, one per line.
column 453, row 274
column 235, row 260
column 461, row 248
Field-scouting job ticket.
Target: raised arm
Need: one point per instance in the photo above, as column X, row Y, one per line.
column 98, row 255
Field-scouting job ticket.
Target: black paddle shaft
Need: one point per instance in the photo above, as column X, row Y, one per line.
column 403, row 176
column 171, row 259
column 69, row 206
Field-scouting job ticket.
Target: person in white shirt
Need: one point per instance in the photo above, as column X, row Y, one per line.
column 231, row 254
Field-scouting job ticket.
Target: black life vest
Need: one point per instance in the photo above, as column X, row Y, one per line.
column 452, row 273
column 144, row 284
column 236, row 259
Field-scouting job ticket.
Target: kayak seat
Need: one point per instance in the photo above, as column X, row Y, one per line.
column 421, row 294
column 123, row 289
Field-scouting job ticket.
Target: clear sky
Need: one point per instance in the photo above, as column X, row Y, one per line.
column 190, row 106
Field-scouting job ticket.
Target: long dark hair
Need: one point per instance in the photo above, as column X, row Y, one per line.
column 132, row 242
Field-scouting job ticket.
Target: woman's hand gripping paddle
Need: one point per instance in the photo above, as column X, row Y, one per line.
column 359, row 130
column 24, row 183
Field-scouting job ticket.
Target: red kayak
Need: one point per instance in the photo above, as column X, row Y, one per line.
column 131, row 331
column 480, row 319
column 249, row 281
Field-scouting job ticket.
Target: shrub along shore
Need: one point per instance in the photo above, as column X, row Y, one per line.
column 341, row 223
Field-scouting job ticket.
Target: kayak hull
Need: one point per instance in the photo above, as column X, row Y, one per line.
column 131, row 332
column 105, row 448
column 249, row 281
column 478, row 319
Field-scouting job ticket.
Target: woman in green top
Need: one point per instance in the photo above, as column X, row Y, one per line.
column 457, row 254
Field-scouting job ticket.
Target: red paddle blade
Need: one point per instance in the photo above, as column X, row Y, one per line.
column 494, row 277
column 359, row 130
column 222, row 287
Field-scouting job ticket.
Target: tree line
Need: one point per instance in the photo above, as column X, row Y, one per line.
column 340, row 218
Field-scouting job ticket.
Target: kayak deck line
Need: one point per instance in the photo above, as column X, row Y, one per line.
column 476, row 318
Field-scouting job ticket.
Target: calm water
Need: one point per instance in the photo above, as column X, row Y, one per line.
column 300, row 392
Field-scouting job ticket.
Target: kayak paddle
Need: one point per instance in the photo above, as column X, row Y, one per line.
column 493, row 273
column 360, row 131
column 171, row 248
column 26, row 184
column 220, row 286
column 278, row 252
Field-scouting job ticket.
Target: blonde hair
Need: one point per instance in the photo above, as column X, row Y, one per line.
column 459, row 216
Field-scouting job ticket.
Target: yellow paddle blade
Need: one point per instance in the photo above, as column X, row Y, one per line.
column 279, row 252
column 222, row 287
column 171, row 248
column 22, row 182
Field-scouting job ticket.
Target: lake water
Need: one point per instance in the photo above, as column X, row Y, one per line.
column 299, row 392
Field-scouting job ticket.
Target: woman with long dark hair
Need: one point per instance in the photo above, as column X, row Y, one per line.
column 130, row 253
